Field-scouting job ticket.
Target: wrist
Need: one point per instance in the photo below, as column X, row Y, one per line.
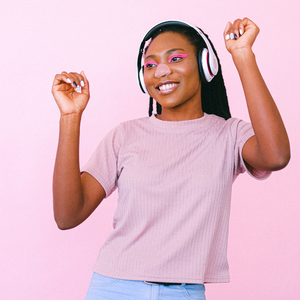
column 70, row 120
column 75, row 116
column 243, row 56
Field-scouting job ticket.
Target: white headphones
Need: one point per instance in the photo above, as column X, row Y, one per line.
column 207, row 60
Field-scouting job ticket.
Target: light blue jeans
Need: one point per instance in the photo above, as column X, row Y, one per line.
column 107, row 288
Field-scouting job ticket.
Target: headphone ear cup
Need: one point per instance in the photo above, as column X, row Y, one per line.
column 205, row 71
column 201, row 72
column 141, row 81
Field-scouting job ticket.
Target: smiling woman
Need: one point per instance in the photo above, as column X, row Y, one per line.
column 213, row 95
column 172, row 77
column 174, row 170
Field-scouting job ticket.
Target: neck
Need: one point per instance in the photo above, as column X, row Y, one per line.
column 181, row 113
column 182, row 117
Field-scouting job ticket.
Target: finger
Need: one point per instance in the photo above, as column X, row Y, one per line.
column 227, row 27
column 69, row 80
column 241, row 29
column 84, row 82
column 231, row 31
column 236, row 27
column 248, row 23
column 251, row 28
column 76, row 78
column 242, row 25
column 81, row 78
column 60, row 79
column 227, row 31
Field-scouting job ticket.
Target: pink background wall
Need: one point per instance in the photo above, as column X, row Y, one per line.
column 42, row 38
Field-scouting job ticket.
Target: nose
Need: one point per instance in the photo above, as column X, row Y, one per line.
column 162, row 70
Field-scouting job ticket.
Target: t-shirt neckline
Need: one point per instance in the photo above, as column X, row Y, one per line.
column 200, row 124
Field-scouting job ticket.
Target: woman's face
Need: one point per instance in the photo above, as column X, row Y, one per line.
column 171, row 73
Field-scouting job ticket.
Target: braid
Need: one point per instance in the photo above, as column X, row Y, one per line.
column 158, row 108
column 213, row 94
column 150, row 106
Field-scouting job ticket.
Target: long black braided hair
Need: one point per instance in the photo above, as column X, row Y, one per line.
column 213, row 94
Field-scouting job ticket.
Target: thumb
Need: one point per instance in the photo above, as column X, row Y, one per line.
column 83, row 74
column 86, row 82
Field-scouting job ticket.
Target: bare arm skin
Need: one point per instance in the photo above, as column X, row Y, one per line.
column 269, row 149
column 75, row 196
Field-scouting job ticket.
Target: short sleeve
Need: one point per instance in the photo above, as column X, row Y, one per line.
column 241, row 132
column 103, row 164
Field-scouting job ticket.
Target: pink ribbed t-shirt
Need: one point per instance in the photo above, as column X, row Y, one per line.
column 174, row 181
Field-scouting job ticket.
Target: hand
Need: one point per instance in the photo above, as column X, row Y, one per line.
column 240, row 35
column 68, row 99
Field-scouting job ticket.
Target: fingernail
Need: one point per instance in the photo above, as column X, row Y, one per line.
column 235, row 36
column 227, row 37
column 82, row 83
column 241, row 32
column 74, row 83
column 78, row 89
column 231, row 36
column 69, row 80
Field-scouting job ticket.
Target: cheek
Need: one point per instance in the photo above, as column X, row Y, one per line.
column 148, row 83
column 192, row 73
column 147, row 78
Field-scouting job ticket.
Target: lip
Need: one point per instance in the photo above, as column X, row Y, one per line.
column 165, row 82
column 170, row 90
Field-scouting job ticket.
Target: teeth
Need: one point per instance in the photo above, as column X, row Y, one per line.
column 166, row 86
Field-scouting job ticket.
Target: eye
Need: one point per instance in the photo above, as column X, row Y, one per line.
column 150, row 64
column 177, row 57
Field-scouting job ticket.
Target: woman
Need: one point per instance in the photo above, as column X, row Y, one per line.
column 174, row 170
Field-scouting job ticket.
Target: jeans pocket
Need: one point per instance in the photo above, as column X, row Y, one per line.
column 102, row 281
column 194, row 291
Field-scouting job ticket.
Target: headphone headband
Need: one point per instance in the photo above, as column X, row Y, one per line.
column 210, row 68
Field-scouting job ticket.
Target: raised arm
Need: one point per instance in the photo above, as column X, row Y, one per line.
column 269, row 149
column 75, row 196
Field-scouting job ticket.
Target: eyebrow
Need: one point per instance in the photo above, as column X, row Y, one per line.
column 167, row 52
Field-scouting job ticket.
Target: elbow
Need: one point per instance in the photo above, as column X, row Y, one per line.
column 280, row 162
column 282, row 155
column 64, row 223
column 63, row 226
column 65, row 217
column 284, row 161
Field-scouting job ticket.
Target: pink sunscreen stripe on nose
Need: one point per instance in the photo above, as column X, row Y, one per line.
column 178, row 55
column 150, row 62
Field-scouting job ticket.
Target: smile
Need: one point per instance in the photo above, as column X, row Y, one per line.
column 167, row 86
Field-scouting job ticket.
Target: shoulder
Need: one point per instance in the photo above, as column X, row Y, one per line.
column 234, row 129
column 127, row 130
column 127, row 126
column 231, row 124
column 134, row 122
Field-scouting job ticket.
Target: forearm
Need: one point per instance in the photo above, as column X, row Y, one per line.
column 67, row 189
column 271, row 136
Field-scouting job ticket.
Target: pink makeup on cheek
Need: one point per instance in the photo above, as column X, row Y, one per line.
column 178, row 55
column 150, row 62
